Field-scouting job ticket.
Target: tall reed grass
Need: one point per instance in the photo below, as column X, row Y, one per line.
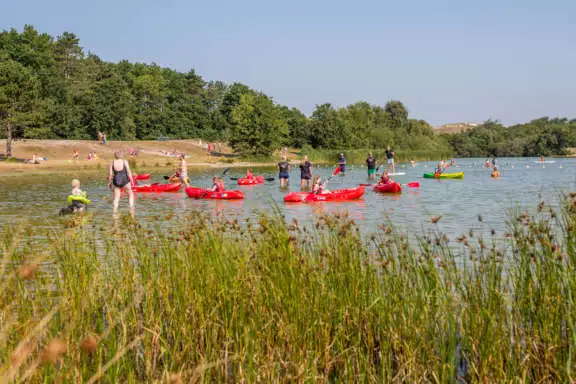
column 269, row 301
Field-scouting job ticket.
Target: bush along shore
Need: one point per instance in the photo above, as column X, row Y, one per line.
column 273, row 301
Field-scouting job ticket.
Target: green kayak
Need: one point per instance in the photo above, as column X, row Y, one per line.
column 458, row 175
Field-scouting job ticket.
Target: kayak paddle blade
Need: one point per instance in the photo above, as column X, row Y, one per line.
column 269, row 179
column 337, row 171
column 414, row 184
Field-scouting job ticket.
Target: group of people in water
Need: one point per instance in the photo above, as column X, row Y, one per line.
column 121, row 180
column 494, row 165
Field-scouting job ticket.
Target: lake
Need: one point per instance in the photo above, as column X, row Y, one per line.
column 38, row 198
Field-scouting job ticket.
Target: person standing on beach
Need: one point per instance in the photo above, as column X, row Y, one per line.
column 283, row 172
column 390, row 159
column 120, row 178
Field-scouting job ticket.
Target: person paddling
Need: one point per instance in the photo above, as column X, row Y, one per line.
column 120, row 178
column 305, row 173
column 384, row 179
column 371, row 164
column 319, row 187
column 439, row 169
column 217, row 185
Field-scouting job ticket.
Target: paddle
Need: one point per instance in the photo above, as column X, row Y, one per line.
column 266, row 178
column 413, row 184
column 223, row 174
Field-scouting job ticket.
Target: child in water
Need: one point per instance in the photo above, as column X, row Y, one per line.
column 76, row 201
column 495, row 172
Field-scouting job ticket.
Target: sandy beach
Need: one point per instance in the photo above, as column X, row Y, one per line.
column 151, row 154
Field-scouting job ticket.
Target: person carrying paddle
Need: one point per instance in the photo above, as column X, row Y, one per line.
column 390, row 158
column 371, row 164
column 305, row 173
column 439, row 169
column 283, row 172
column 342, row 163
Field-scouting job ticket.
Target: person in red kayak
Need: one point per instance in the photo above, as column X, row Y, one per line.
column 319, row 188
column 217, row 185
column 249, row 175
column 384, row 179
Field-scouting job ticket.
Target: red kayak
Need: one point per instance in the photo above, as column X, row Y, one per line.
column 255, row 180
column 157, row 188
column 338, row 195
column 393, row 187
column 200, row 193
column 143, row 176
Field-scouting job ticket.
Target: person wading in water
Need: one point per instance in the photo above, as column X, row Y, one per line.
column 120, row 178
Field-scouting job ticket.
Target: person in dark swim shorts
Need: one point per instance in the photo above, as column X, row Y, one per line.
column 283, row 172
column 305, row 173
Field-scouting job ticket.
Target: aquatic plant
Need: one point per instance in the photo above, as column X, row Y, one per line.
column 272, row 301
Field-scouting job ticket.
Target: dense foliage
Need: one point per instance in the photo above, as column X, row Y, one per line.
column 542, row 136
column 51, row 88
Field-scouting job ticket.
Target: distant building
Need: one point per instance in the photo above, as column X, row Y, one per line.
column 455, row 127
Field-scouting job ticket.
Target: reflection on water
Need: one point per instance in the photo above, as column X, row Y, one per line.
column 459, row 202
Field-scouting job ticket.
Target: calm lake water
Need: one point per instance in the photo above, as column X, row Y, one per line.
column 523, row 183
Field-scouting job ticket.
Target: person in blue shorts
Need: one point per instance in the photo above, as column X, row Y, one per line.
column 283, row 172
column 342, row 163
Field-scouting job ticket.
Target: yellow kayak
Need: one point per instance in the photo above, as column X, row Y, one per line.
column 432, row 175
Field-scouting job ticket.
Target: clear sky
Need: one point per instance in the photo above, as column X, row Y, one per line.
column 447, row 61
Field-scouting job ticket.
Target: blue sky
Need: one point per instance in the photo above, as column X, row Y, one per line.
column 447, row 61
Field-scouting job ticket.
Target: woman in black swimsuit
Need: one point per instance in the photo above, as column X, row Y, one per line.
column 120, row 178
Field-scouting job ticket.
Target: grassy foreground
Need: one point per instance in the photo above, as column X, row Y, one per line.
column 217, row 301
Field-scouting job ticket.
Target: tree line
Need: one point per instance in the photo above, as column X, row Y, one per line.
column 540, row 137
column 51, row 88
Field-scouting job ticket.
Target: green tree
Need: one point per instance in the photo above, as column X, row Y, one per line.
column 18, row 98
column 258, row 125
